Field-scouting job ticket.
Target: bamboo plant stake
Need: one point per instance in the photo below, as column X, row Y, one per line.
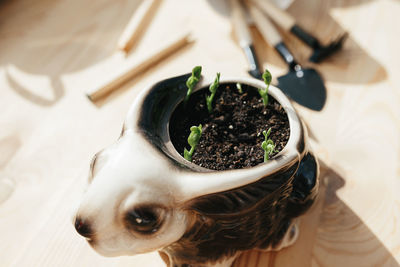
column 133, row 68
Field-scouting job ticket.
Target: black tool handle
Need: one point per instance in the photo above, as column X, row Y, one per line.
column 272, row 36
column 243, row 35
column 306, row 37
column 250, row 53
column 285, row 53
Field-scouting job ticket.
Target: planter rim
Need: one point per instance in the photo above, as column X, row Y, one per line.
column 295, row 127
column 190, row 173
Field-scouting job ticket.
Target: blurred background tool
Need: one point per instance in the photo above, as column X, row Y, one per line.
column 288, row 23
column 135, row 67
column 137, row 24
column 304, row 86
column 242, row 33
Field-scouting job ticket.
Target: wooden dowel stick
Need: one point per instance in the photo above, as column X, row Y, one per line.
column 136, row 25
column 133, row 68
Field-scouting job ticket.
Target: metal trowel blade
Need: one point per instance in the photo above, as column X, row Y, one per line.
column 304, row 86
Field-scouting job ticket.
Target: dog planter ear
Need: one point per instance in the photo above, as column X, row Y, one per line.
column 145, row 196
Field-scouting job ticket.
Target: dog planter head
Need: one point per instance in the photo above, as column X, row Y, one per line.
column 144, row 196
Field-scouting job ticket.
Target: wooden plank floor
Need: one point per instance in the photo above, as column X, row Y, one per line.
column 52, row 51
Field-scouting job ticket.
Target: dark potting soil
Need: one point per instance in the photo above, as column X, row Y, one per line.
column 232, row 134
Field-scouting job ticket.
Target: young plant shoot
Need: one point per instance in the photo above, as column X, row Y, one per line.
column 213, row 89
column 239, row 87
column 264, row 92
column 193, row 140
column 267, row 145
column 192, row 81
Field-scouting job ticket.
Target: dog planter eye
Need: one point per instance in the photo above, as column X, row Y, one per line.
column 144, row 196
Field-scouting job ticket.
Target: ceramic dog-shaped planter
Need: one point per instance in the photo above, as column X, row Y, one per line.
column 144, row 196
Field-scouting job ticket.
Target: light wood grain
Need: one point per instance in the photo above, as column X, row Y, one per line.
column 51, row 52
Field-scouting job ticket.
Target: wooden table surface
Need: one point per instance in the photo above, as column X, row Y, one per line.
column 52, row 51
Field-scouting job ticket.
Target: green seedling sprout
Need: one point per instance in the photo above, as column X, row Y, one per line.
column 239, row 87
column 268, row 145
column 213, row 89
column 267, row 77
column 193, row 140
column 192, row 81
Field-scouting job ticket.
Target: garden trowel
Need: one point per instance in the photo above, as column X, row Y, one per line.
column 303, row 85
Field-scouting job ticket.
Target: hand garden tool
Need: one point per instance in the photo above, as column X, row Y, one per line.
column 287, row 22
column 303, row 85
column 244, row 37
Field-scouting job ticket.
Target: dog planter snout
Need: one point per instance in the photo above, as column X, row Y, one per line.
column 145, row 196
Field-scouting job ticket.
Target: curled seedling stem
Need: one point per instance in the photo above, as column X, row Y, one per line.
column 268, row 145
column 239, row 87
column 267, row 77
column 193, row 140
column 192, row 81
column 213, row 89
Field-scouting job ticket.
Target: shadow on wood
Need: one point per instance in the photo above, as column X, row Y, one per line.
column 331, row 234
column 45, row 34
column 56, row 87
column 9, row 146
